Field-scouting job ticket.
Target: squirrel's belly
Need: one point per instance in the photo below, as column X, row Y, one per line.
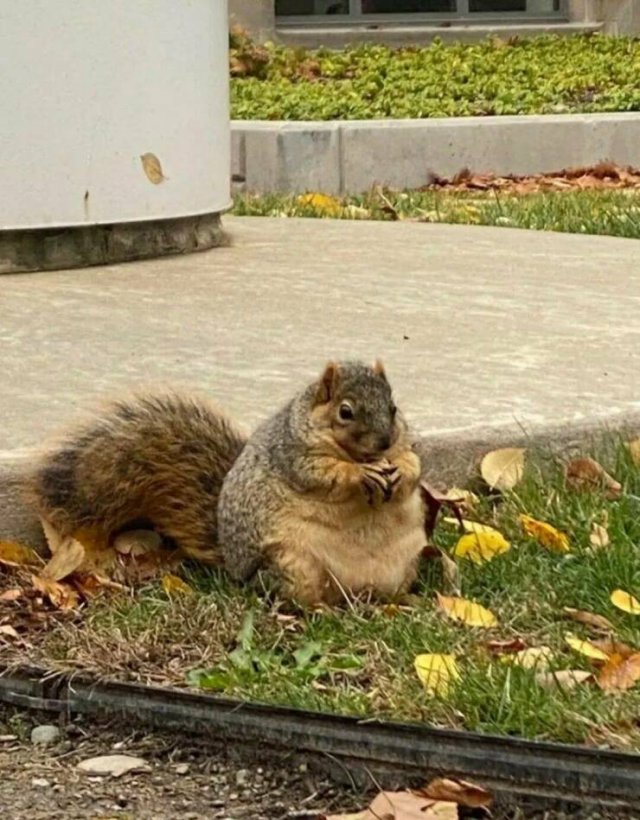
column 375, row 550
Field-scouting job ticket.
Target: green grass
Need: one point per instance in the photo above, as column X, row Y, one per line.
column 612, row 213
column 360, row 660
column 540, row 75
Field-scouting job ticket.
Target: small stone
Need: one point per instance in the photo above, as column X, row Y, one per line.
column 121, row 801
column 40, row 782
column 182, row 768
column 242, row 776
column 45, row 735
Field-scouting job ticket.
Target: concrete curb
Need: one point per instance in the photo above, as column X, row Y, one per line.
column 450, row 459
column 348, row 157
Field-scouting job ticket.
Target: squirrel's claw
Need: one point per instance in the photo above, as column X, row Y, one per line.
column 380, row 478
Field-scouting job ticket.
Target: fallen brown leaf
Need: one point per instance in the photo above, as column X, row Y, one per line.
column 9, row 632
column 403, row 806
column 587, row 474
column 613, row 647
column 434, row 501
column 507, row 647
column 61, row 595
column 598, row 622
column 462, row 792
column 619, row 673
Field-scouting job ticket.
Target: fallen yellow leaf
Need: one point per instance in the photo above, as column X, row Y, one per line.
column 464, row 498
column 586, row 648
column 503, row 469
column 14, row 554
column 625, row 601
column 481, row 547
column 470, row 613
column 545, row 534
column 469, row 526
column 599, row 536
column 321, row 202
column 172, row 584
column 436, row 672
column 634, row 451
column 535, row 657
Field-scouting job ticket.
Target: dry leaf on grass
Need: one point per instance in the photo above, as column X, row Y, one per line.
column 468, row 612
column 598, row 622
column 599, row 536
column 465, row 499
column 450, row 574
column 10, row 595
column 620, row 673
column 566, row 679
column 14, row 554
column 545, row 534
column 535, row 657
column 173, row 585
column 634, row 451
column 67, row 559
column 402, row 806
column 8, row 631
column 613, row 647
column 625, row 601
column 586, row 648
column 587, row 474
column 61, row 595
column 505, row 647
column 470, row 526
column 462, row 792
column 503, row 469
column 481, row 547
column 436, row 672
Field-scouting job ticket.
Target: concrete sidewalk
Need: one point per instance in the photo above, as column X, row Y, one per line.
column 479, row 327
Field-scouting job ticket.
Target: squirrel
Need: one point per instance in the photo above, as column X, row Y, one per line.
column 325, row 494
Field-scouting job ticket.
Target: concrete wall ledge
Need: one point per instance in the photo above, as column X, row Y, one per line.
column 347, row 157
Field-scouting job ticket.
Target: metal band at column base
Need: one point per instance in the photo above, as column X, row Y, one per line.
column 56, row 248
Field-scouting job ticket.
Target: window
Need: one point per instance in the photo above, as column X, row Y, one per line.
column 364, row 11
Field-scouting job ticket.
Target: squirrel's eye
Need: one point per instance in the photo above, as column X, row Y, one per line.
column 394, row 410
column 346, row 412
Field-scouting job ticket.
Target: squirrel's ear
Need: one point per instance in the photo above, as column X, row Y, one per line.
column 327, row 383
column 378, row 369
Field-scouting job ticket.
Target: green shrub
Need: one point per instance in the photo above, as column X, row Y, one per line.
column 541, row 75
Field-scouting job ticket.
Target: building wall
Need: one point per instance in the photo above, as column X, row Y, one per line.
column 617, row 16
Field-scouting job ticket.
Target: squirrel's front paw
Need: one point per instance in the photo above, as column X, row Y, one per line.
column 380, row 481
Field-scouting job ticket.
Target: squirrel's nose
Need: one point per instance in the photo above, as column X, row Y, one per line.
column 385, row 442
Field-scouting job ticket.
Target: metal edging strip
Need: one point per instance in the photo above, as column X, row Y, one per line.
column 522, row 767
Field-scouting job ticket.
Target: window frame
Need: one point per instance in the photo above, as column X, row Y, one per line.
column 355, row 17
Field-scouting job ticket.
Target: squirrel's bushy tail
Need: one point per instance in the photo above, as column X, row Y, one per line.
column 149, row 461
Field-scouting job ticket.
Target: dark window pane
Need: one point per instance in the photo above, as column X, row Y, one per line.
column 404, row 6
column 293, row 7
column 497, row 5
